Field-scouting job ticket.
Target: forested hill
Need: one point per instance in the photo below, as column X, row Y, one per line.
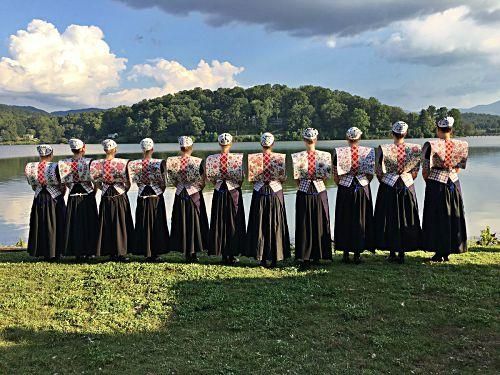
column 243, row 112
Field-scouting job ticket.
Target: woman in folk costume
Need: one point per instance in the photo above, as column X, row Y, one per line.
column 444, row 230
column 353, row 170
column 227, row 223
column 81, row 216
column 189, row 231
column 116, row 228
column 151, row 230
column 397, row 224
column 267, row 238
column 311, row 168
column 47, row 219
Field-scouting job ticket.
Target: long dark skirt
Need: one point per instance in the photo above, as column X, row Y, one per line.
column 353, row 230
column 151, row 230
column 47, row 226
column 443, row 224
column 267, row 235
column 227, row 223
column 313, row 239
column 189, row 224
column 397, row 224
column 81, row 224
column 116, row 228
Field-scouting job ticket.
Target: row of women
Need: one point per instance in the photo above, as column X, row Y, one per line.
column 81, row 230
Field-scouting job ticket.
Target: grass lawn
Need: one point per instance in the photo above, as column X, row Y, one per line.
column 141, row 318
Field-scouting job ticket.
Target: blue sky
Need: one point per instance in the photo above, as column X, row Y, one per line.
column 412, row 56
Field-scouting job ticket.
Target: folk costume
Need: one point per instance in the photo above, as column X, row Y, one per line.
column 227, row 222
column 47, row 219
column 444, row 229
column 81, row 214
column 353, row 168
column 189, row 231
column 151, row 229
column 313, row 240
column 397, row 222
column 267, row 237
column 116, row 229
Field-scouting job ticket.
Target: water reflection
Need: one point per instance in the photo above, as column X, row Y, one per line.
column 479, row 182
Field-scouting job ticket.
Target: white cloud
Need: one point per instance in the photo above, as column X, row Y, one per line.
column 453, row 36
column 445, row 37
column 75, row 66
column 172, row 76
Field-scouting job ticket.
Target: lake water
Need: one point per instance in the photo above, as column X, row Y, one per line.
column 480, row 181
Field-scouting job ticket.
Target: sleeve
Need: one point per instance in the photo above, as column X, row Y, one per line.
column 334, row 168
column 200, row 183
column 426, row 156
column 379, row 156
column 62, row 187
column 285, row 176
column 128, row 182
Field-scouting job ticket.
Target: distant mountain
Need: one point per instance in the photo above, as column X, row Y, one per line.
column 75, row 111
column 491, row 109
column 30, row 109
column 23, row 108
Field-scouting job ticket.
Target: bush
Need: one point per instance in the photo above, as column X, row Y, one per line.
column 487, row 238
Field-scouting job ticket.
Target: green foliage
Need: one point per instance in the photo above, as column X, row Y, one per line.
column 21, row 243
column 480, row 124
column 487, row 238
column 143, row 318
column 243, row 112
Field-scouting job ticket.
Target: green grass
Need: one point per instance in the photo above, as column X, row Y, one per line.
column 141, row 318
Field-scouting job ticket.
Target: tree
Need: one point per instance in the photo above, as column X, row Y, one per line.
column 331, row 113
column 195, row 125
column 426, row 124
column 360, row 119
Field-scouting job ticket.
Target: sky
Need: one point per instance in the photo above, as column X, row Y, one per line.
column 59, row 55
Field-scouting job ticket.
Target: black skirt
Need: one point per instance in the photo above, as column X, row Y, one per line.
column 227, row 223
column 116, row 228
column 267, row 235
column 313, row 239
column 397, row 224
column 47, row 226
column 354, row 218
column 444, row 230
column 189, row 233
column 81, row 223
column 151, row 230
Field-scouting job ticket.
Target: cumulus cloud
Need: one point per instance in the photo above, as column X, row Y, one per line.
column 171, row 76
column 75, row 66
column 312, row 17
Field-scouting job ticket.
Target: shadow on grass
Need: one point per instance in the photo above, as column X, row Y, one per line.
column 152, row 318
column 178, row 258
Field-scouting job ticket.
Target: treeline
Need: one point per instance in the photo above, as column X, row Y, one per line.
column 243, row 112
column 482, row 124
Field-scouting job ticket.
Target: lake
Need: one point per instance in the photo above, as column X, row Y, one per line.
column 480, row 181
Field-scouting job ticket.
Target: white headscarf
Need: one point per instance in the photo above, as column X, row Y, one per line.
column 225, row 139
column 185, row 141
column 147, row 144
column 75, row 144
column 400, row 127
column 267, row 139
column 108, row 144
column 44, row 150
column 353, row 133
column 310, row 134
column 446, row 122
